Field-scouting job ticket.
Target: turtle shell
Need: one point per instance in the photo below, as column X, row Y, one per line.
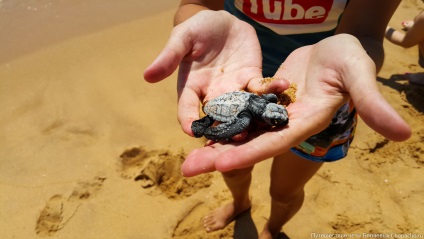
column 226, row 107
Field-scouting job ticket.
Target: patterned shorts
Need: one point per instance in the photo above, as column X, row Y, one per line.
column 332, row 143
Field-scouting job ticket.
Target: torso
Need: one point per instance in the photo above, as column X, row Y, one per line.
column 293, row 16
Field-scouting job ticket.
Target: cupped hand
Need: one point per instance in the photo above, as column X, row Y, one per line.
column 327, row 74
column 216, row 53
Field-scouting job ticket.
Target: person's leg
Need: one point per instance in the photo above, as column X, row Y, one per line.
column 238, row 181
column 416, row 78
column 289, row 174
column 421, row 54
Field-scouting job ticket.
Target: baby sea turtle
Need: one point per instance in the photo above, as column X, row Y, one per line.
column 235, row 110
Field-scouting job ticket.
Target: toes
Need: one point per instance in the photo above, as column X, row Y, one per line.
column 207, row 220
column 208, row 223
column 213, row 227
column 211, row 224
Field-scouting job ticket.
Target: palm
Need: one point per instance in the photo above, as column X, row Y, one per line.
column 216, row 53
column 222, row 59
column 320, row 86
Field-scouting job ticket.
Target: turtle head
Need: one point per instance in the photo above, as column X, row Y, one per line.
column 275, row 115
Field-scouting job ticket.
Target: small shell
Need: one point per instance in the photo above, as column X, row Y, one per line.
column 226, row 107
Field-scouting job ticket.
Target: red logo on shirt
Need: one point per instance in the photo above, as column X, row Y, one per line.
column 288, row 11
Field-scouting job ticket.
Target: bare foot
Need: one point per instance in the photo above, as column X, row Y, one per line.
column 267, row 234
column 407, row 24
column 222, row 216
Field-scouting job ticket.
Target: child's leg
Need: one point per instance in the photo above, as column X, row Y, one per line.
column 421, row 54
column 289, row 175
column 238, row 181
column 418, row 78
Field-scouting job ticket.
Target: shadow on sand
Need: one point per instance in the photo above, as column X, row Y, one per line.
column 245, row 228
column 414, row 94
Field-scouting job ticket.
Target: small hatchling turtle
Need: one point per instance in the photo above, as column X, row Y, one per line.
column 235, row 110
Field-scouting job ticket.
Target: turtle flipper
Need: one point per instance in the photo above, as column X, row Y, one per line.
column 225, row 131
column 199, row 126
column 270, row 97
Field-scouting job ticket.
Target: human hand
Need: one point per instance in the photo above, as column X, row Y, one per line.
column 216, row 53
column 327, row 74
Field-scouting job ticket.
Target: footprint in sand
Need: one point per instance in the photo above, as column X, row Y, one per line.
column 345, row 224
column 160, row 169
column 50, row 220
column 86, row 189
column 59, row 209
column 132, row 160
column 190, row 224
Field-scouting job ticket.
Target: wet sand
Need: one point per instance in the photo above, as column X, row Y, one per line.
column 90, row 150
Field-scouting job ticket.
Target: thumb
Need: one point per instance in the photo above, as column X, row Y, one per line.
column 178, row 46
column 371, row 105
column 381, row 117
column 268, row 85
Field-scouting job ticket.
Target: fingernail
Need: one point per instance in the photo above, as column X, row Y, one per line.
column 209, row 142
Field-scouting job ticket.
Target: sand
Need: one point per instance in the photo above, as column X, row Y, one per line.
column 88, row 149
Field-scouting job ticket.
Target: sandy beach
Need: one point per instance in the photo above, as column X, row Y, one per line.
column 88, row 149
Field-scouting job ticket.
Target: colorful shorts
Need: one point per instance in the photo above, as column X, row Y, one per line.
column 332, row 143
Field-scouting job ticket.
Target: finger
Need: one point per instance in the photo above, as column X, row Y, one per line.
column 371, row 105
column 381, row 117
column 240, row 137
column 248, row 154
column 168, row 60
column 268, row 85
column 194, row 164
column 188, row 109
column 265, row 146
column 203, row 160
